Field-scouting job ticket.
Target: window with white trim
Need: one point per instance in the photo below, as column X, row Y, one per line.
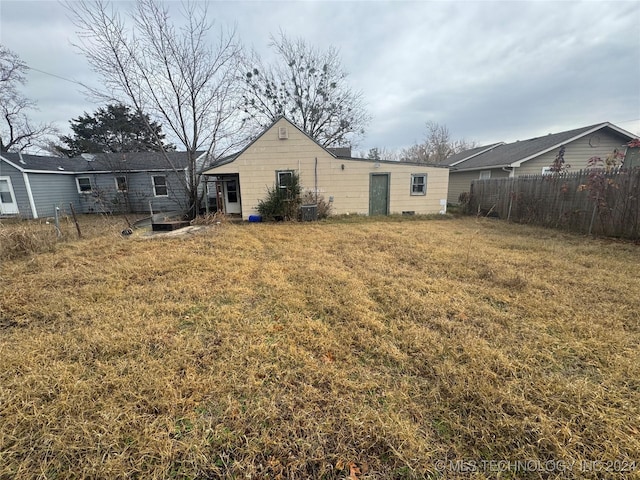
column 121, row 184
column 84, row 184
column 418, row 184
column 485, row 174
column 160, row 186
column 284, row 178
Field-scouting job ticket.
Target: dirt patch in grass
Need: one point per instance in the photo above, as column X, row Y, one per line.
column 370, row 349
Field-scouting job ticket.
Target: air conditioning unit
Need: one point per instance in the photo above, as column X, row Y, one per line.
column 283, row 133
column 309, row 213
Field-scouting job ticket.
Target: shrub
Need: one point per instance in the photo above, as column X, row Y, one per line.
column 323, row 207
column 464, row 200
column 282, row 201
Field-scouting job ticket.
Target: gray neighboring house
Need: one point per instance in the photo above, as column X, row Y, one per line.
column 33, row 186
column 534, row 156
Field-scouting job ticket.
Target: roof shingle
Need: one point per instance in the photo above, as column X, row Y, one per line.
column 507, row 154
column 131, row 161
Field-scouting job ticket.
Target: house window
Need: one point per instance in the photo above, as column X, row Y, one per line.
column 284, row 178
column 121, row 184
column 160, row 186
column 546, row 171
column 419, row 184
column 84, row 184
column 485, row 174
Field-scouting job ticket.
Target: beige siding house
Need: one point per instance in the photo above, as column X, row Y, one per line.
column 534, row 156
column 351, row 185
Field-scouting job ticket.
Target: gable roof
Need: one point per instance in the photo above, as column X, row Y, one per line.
column 467, row 154
column 99, row 162
column 336, row 152
column 516, row 153
column 230, row 158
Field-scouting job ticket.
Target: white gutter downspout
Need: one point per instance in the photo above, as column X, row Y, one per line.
column 27, row 184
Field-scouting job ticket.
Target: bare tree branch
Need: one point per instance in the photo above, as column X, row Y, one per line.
column 174, row 74
column 310, row 87
column 17, row 132
column 437, row 146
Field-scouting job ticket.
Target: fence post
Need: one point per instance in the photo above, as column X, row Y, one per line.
column 593, row 217
column 57, row 222
column 75, row 220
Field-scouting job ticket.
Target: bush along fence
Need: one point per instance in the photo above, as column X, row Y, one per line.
column 593, row 201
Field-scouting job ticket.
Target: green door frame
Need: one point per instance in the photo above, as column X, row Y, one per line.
column 371, row 193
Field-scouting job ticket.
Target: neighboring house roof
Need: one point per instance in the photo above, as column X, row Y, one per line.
column 340, row 151
column 467, row 154
column 99, row 162
column 514, row 154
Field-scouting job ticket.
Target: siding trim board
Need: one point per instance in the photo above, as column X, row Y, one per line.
column 17, row 167
column 32, row 202
column 477, row 169
column 100, row 172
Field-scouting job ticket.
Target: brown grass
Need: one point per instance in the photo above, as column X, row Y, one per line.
column 369, row 349
column 22, row 238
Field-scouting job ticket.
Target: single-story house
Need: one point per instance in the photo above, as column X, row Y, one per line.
column 350, row 185
column 533, row 156
column 33, row 186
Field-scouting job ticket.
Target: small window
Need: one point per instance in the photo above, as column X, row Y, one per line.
column 485, row 174
column 84, row 184
column 546, row 171
column 419, row 184
column 284, row 178
column 160, row 186
column 121, row 184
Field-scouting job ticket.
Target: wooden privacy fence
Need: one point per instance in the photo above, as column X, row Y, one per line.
column 588, row 201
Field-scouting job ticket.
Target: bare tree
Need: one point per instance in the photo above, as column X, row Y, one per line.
column 309, row 86
column 438, row 142
column 17, row 132
column 437, row 146
column 175, row 74
column 415, row 153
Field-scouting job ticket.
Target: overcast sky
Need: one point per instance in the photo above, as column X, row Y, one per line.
column 490, row 71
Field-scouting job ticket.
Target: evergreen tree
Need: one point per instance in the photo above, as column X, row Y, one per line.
column 113, row 128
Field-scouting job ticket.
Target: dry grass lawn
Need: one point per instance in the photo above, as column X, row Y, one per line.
column 342, row 349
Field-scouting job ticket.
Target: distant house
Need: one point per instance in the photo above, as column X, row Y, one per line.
column 533, row 156
column 351, row 185
column 33, row 186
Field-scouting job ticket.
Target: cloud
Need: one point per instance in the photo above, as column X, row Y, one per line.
column 490, row 71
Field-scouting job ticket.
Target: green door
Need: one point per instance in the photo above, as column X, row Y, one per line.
column 379, row 194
